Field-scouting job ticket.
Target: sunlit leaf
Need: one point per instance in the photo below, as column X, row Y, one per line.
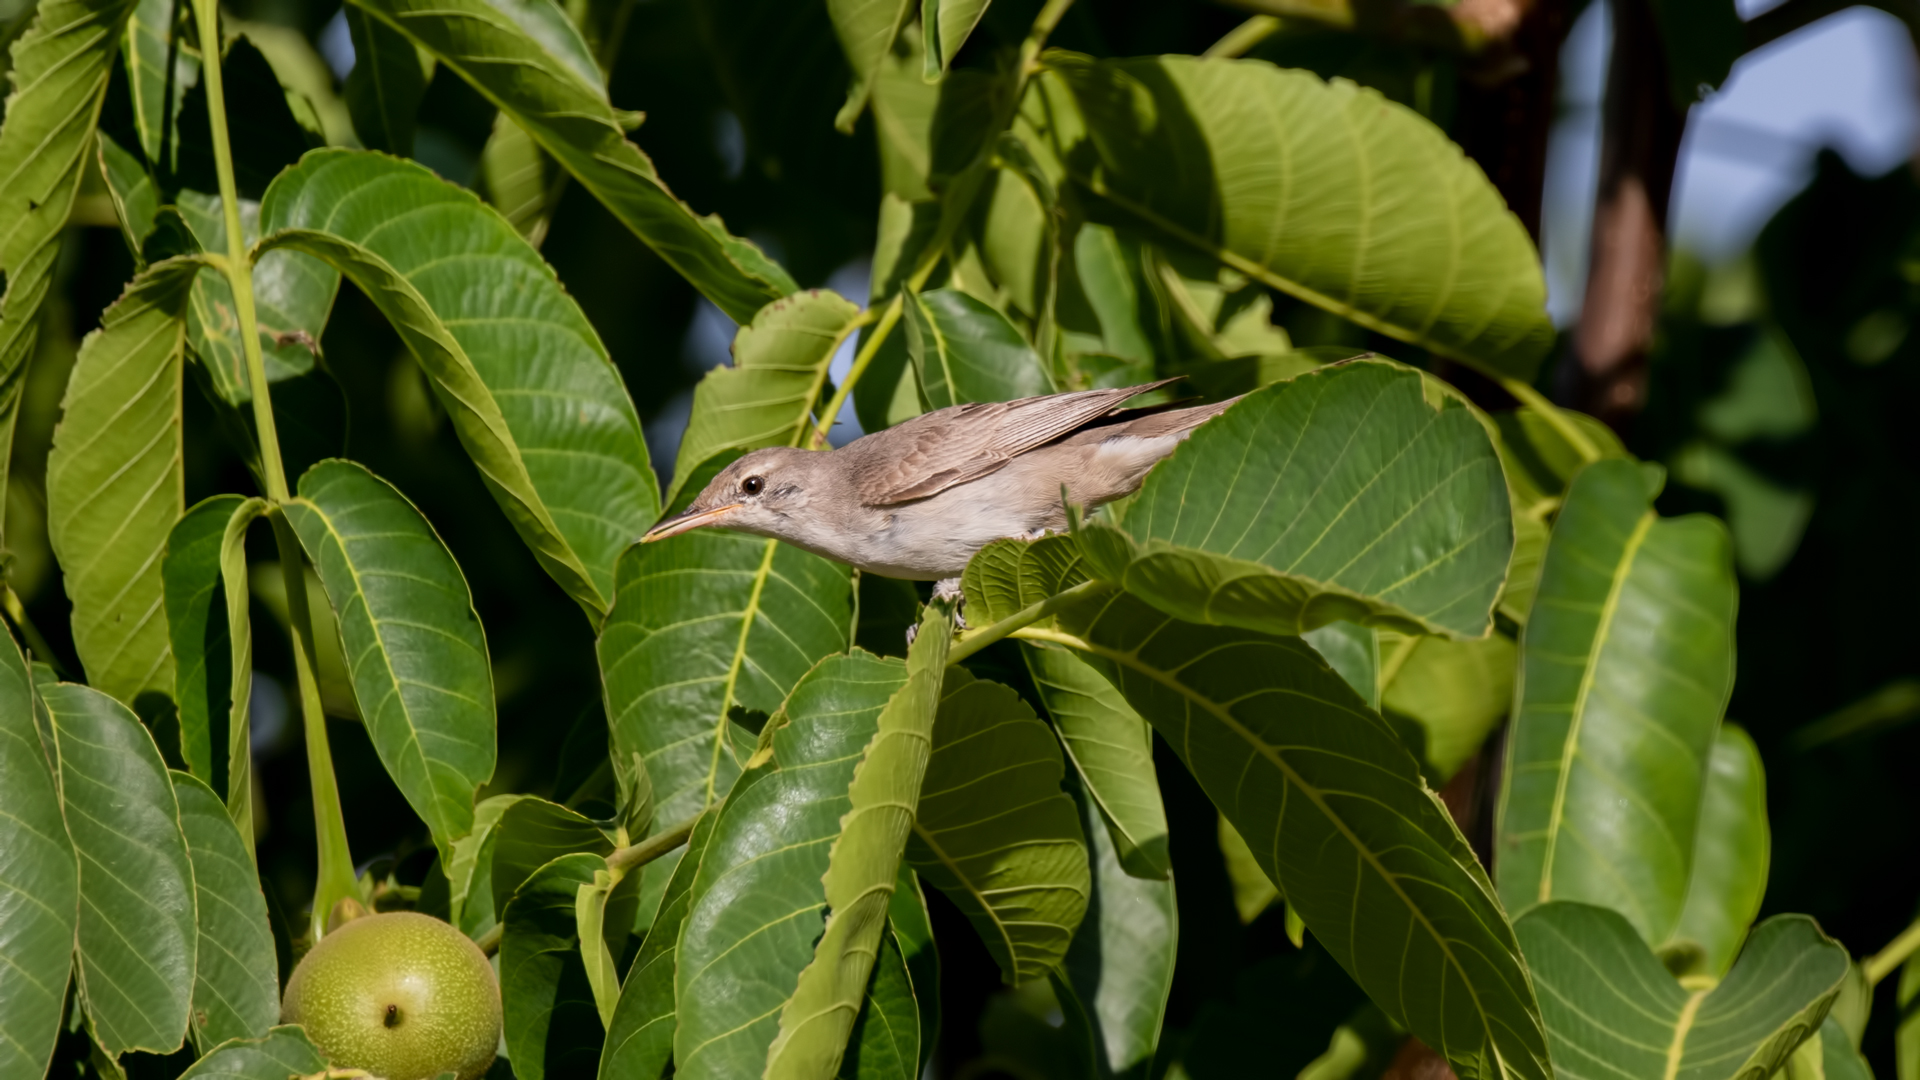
column 530, row 833
column 1609, row 1005
column 1253, row 890
column 136, row 937
column 994, row 830
column 1353, row 652
column 965, row 351
column 1325, row 191
column 1335, row 810
column 284, row 1052
column 517, row 56
column 1625, row 668
column 1456, row 691
column 866, row 29
column 1731, row 849
column 639, row 1044
column 1280, row 516
column 39, row 893
column 414, row 645
column 148, row 36
column 236, row 984
column 528, row 385
column 136, row 198
column 114, row 482
column 946, row 25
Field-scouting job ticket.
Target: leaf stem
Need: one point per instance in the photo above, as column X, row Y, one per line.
column 973, row 641
column 619, row 861
column 868, row 349
column 1554, row 415
column 335, row 877
column 36, row 643
column 1243, row 37
column 1882, row 964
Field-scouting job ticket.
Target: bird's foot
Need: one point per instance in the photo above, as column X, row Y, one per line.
column 1035, row 534
column 945, row 589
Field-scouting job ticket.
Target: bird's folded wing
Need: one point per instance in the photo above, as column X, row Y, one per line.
column 931, row 453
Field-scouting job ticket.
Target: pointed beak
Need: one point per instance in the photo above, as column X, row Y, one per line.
column 692, row 519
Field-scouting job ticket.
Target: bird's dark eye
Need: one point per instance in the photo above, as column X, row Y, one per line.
column 752, row 485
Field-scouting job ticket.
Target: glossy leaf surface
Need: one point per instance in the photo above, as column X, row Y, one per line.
column 236, row 984
column 538, row 71
column 520, row 371
column 39, row 887
column 1610, row 1005
column 1346, row 493
column 1625, row 668
column 115, row 485
column 283, row 1052
column 530, row 833
column 1731, row 849
column 994, row 830
column 136, row 932
column 1335, row 810
column 414, row 646
column 703, row 622
column 1326, row 191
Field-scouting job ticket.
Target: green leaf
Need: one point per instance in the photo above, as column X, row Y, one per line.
column 520, row 180
column 265, row 132
column 766, row 397
column 414, row 646
column 136, row 934
column 885, row 1041
column 284, row 1052
column 552, row 1028
column 1334, row 809
column 1610, row 1005
column 1008, row 576
column 758, row 900
column 590, row 926
column 1907, row 1035
column 639, row 1044
column 1121, row 962
column 1325, row 191
column 213, row 647
column 149, row 37
column 700, row 623
column 946, row 24
column 1111, row 747
column 1281, row 515
column 1456, row 691
column 136, row 198
column 913, row 932
column 236, row 984
column 1354, row 653
column 509, row 54
column 59, row 72
column 470, row 903
column 114, row 482
column 1625, row 668
column 39, row 890
column 866, row 29
column 1253, row 891
column 1731, row 849
column 532, row 832
column 965, row 351
column 386, row 84
column 557, row 440
column 995, row 832
column 1539, row 460
column 865, row 864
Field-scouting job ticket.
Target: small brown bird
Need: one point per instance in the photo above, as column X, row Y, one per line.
column 917, row 500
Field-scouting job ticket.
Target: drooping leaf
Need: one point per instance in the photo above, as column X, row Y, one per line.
column 519, row 57
column 115, row 485
column 1111, row 747
column 1121, row 962
column 703, row 622
column 236, row 983
column 1279, row 515
column 519, row 178
column 965, row 351
column 39, row 890
column 552, row 1026
column 994, row 830
column 766, row 397
column 864, row 864
column 1610, row 1005
column 1457, row 691
column 1731, row 848
column 1325, row 191
column 639, row 1044
column 1625, row 668
column 470, row 903
column 758, row 902
column 590, row 925
column 885, row 1041
column 284, row 1052
column 1335, row 810
column 386, row 84
column 149, row 40
column 946, row 25
column 913, row 930
column 530, row 833
column 59, row 74
column 414, row 645
column 136, row 198
column 526, row 381
column 136, row 937
column 866, row 29
column 213, row 644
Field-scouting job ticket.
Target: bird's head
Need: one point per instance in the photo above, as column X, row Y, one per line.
column 755, row 494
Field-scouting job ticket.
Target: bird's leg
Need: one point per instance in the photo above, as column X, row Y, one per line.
column 945, row 589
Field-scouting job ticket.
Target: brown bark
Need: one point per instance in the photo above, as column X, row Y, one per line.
column 1507, row 107
column 1640, row 142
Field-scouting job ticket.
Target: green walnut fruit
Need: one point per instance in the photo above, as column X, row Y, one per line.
column 401, row 995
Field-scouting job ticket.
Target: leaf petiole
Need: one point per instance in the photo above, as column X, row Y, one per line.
column 1016, row 624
